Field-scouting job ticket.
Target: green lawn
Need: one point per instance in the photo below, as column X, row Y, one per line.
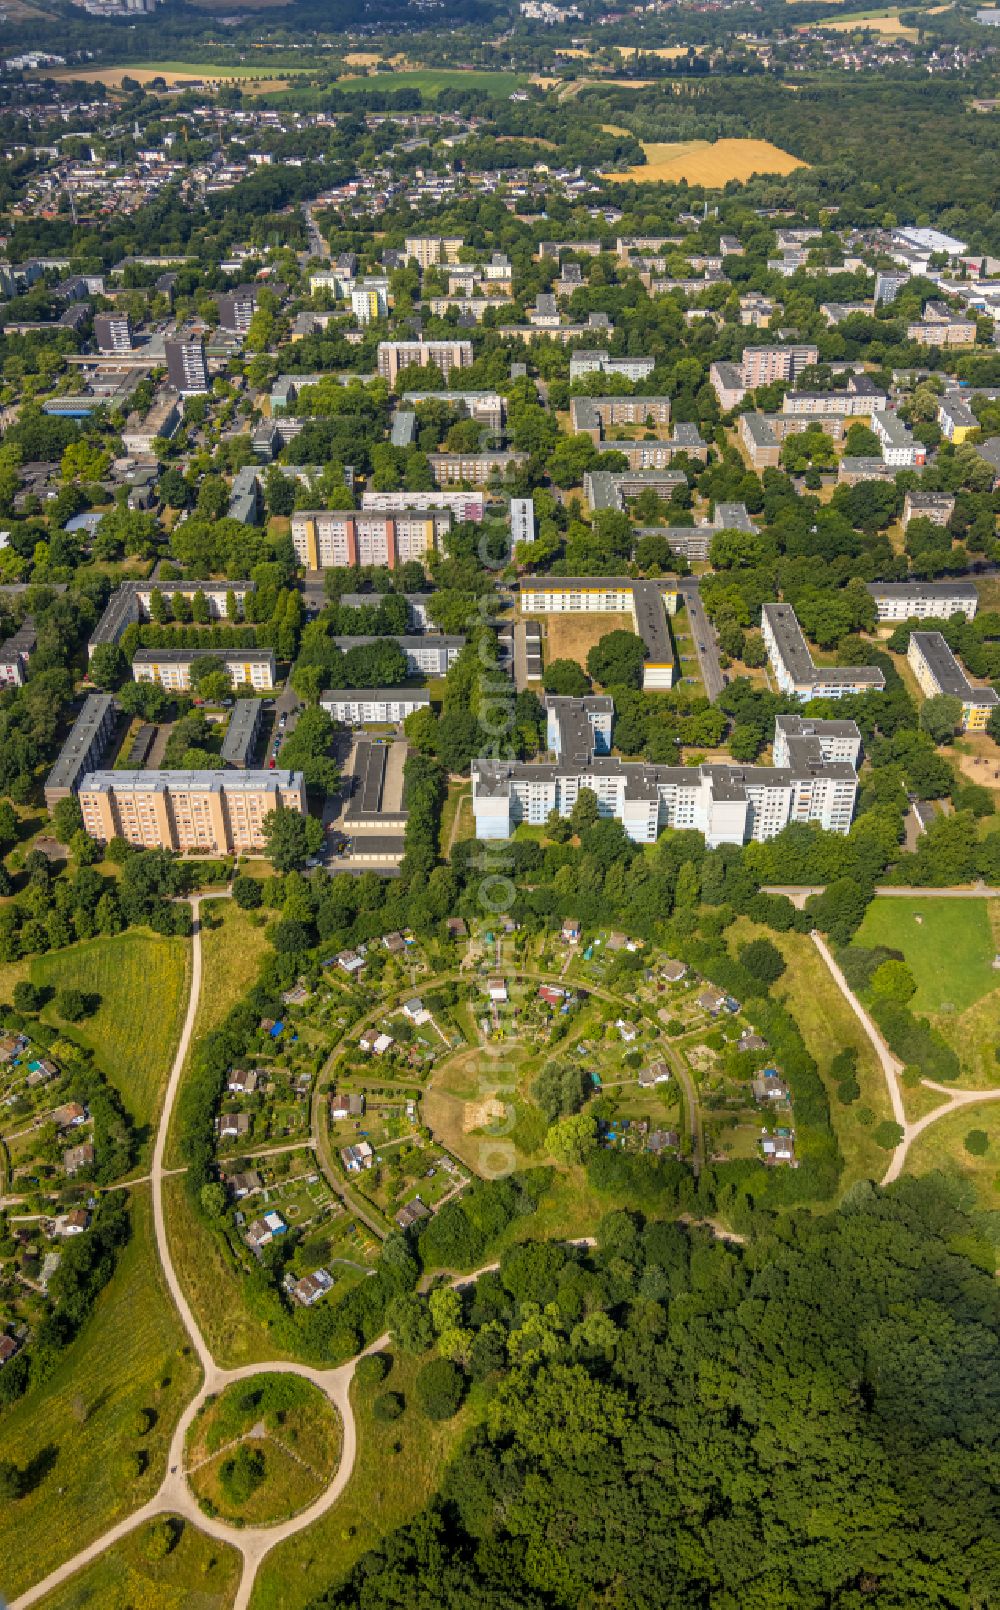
column 432, row 80
column 948, row 944
column 827, row 1025
column 285, row 1422
column 75, row 1431
column 197, row 1574
column 942, row 1146
column 231, row 950
column 386, row 1489
column 142, row 980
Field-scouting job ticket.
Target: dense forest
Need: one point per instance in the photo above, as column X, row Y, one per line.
column 808, row 1420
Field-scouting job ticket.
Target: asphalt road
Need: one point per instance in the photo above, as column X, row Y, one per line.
column 705, row 642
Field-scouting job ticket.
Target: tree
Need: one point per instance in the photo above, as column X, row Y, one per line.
column 28, row 997
column 108, row 666
column 161, row 1538
column 248, row 892
column 291, row 838
column 572, row 1139
column 617, row 660
column 977, row 1142
column 941, row 717
column 565, row 679
column 585, row 810
column 887, row 1134
column 894, row 981
column 409, row 1322
column 67, row 818
column 11, row 1481
column 73, row 1005
column 440, row 1388
column 214, row 1200
column 762, row 960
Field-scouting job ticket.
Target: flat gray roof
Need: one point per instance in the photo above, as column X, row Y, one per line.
column 241, row 732
column 206, row 782
column 85, row 730
column 184, row 656
column 947, row 672
column 359, row 695
column 798, row 661
column 922, row 589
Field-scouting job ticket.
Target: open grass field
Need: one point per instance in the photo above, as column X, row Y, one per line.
column 399, row 1465
column 232, row 947
column 827, row 1025
column 142, row 979
column 949, row 946
column 569, row 637
column 287, row 1424
column 707, row 163
column 432, row 80
column 198, row 1574
column 215, row 1290
column 942, row 1146
column 74, row 1432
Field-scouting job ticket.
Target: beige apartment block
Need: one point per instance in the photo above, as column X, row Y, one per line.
column 211, row 812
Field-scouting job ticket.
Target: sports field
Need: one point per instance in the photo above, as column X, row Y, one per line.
column 708, row 163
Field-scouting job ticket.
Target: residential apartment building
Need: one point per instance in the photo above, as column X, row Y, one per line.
column 938, row 507
column 444, row 355
column 85, row 749
column 956, row 417
column 833, row 740
column 888, row 285
column 648, row 602
column 686, row 439
column 208, row 812
column 237, row 308
column 15, row 654
column 325, row 538
column 487, row 408
column 522, row 521
column 171, row 667
column 924, row 600
column 726, row 380
column 113, row 332
column 900, row 448
column 793, row 666
column 694, row 542
column 161, row 420
column 132, row 601
column 355, row 707
column 937, row 671
column 461, row 505
column 368, row 303
column 242, row 733
column 761, row 366
column 595, row 416
column 940, row 327
column 432, row 655
column 428, row 250
column 187, row 371
column 475, row 469
column 600, row 362
column 729, row 804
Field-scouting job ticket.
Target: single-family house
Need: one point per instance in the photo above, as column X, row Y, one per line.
column 77, row 1157
column 375, row 1042
column 244, row 1183
column 415, row 1011
column 769, row 1087
column 412, row 1213
column 74, row 1223
column 355, row 1158
column 263, row 1231
column 394, row 943
column 496, row 989
column 296, row 996
column 350, row 962
column 242, row 1081
column 673, row 971
column 751, row 1042
column 656, row 1074
column 662, row 1140
column 312, row 1287
column 618, row 941
column 551, row 995
column 778, row 1148
column 8, row 1347
column 343, row 1105
column 570, row 931
column 70, row 1116
column 628, row 1031
column 234, row 1125
column 456, row 927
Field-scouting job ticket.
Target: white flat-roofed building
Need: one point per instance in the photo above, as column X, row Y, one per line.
column 597, row 361
column 522, row 520
column 355, row 707
column 923, row 600
column 794, row 668
column 648, row 602
column 461, row 505
column 425, row 656
column 938, row 672
column 900, row 447
column 171, row 667
column 729, row 804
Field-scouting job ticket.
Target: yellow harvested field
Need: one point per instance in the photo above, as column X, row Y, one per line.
column 668, row 52
column 362, row 58
column 889, row 25
column 112, row 77
column 702, row 162
column 614, row 128
column 575, row 55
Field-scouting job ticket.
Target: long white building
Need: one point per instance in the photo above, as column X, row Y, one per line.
column 648, row 602
column 355, row 707
column 729, row 804
column 794, row 668
column 924, row 600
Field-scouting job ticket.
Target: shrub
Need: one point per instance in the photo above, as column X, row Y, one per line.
column 372, row 1369
column 887, row 1134
column 440, row 1387
column 390, row 1405
column 977, row 1142
column 241, row 1475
